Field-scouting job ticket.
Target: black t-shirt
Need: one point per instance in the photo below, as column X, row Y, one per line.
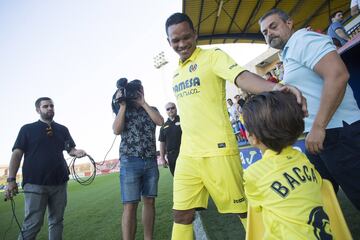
column 170, row 133
column 44, row 162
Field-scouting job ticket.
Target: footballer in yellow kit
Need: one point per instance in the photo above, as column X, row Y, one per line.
column 209, row 159
column 287, row 189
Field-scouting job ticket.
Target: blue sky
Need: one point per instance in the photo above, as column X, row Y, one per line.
column 73, row 52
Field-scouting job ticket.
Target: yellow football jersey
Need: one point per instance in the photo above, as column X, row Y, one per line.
column 287, row 189
column 199, row 87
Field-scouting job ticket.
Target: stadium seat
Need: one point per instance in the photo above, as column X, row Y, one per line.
column 339, row 228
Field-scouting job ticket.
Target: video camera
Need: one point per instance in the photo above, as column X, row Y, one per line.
column 129, row 92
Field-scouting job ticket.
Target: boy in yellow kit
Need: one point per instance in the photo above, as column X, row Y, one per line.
column 284, row 185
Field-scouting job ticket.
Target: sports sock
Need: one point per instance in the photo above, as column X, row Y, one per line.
column 182, row 232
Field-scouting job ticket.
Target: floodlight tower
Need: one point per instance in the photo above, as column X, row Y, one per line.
column 160, row 60
column 159, row 63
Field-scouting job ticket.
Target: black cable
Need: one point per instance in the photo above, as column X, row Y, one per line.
column 77, row 178
column 11, row 222
column 14, row 217
column 14, row 214
column 103, row 162
column 90, row 179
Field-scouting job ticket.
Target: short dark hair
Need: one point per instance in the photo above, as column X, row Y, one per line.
column 177, row 18
column 38, row 101
column 283, row 15
column 334, row 13
column 275, row 118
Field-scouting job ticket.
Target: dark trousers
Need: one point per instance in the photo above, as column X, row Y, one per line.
column 171, row 157
column 339, row 161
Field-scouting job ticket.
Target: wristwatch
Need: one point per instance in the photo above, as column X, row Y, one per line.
column 11, row 179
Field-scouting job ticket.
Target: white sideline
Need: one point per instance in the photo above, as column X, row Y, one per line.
column 198, row 228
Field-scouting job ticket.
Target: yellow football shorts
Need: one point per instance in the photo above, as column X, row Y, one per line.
column 220, row 176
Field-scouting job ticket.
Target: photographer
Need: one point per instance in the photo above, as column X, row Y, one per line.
column 136, row 123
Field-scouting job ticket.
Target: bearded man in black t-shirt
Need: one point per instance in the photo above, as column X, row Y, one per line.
column 44, row 170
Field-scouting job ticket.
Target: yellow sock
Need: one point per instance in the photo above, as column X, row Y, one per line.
column 182, row 232
column 244, row 222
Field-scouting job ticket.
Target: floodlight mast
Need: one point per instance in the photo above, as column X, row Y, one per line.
column 160, row 60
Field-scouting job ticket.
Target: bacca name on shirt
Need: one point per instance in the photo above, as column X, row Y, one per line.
column 293, row 179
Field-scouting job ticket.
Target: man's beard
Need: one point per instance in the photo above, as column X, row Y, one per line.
column 276, row 43
column 47, row 116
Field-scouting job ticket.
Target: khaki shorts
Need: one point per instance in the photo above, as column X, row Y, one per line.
column 220, row 176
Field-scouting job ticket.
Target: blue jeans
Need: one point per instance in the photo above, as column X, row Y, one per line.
column 138, row 177
column 37, row 198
